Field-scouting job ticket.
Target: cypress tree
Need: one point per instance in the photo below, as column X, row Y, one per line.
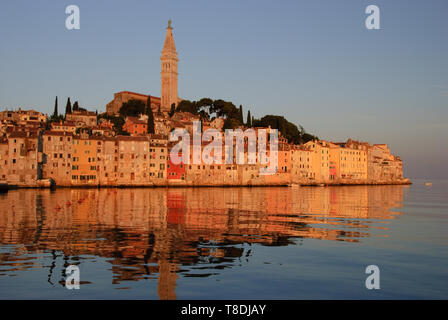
column 240, row 115
column 173, row 109
column 248, row 120
column 76, row 106
column 150, row 116
column 68, row 107
column 55, row 112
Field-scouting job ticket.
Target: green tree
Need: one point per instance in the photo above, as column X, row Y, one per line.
column 287, row 129
column 68, row 107
column 150, row 116
column 248, row 120
column 173, row 109
column 227, row 124
column 187, row 106
column 55, row 112
column 132, row 108
column 76, row 106
column 240, row 114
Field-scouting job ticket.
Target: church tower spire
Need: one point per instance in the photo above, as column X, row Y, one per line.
column 169, row 73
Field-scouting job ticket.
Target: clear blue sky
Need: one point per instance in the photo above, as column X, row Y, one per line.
column 312, row 61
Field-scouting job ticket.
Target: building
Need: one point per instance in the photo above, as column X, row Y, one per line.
column 320, row 160
column 4, row 160
column 169, row 73
column 158, row 155
column 64, row 126
column 169, row 88
column 107, row 152
column 135, row 126
column 57, row 156
column 82, row 118
column 24, row 158
column 300, row 164
column 23, row 116
column 84, row 161
column 113, row 107
column 382, row 165
column 133, row 160
column 352, row 159
column 175, row 172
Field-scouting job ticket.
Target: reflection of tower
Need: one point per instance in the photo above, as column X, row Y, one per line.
column 167, row 280
column 169, row 70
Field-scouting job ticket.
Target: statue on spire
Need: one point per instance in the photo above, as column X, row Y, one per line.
column 169, row 24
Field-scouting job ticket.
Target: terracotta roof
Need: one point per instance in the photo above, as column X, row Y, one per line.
column 132, row 138
column 138, row 94
column 135, row 120
column 22, row 134
column 158, row 136
column 57, row 133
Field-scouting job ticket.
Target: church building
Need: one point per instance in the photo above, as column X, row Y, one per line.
column 169, row 75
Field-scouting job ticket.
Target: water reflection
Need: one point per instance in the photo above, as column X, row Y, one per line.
column 162, row 234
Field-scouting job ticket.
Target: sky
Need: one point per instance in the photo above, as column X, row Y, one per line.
column 313, row 62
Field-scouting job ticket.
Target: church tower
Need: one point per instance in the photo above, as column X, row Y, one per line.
column 169, row 71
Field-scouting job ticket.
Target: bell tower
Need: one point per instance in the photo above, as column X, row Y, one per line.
column 169, row 71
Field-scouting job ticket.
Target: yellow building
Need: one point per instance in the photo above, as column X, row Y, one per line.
column 350, row 160
column 320, row 160
column 300, row 164
column 84, row 164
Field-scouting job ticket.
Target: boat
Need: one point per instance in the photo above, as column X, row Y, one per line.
column 428, row 184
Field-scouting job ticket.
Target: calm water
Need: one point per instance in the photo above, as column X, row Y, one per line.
column 226, row 243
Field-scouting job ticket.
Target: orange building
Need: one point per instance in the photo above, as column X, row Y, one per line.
column 135, row 127
column 84, row 161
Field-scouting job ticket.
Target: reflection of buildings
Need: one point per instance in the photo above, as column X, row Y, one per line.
column 149, row 233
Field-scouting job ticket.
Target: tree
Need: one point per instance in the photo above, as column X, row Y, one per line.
column 227, row 124
column 148, row 104
column 248, row 120
column 132, row 108
column 76, row 106
column 173, row 109
column 150, row 116
column 68, row 107
column 55, row 112
column 287, row 129
column 187, row 106
column 240, row 115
